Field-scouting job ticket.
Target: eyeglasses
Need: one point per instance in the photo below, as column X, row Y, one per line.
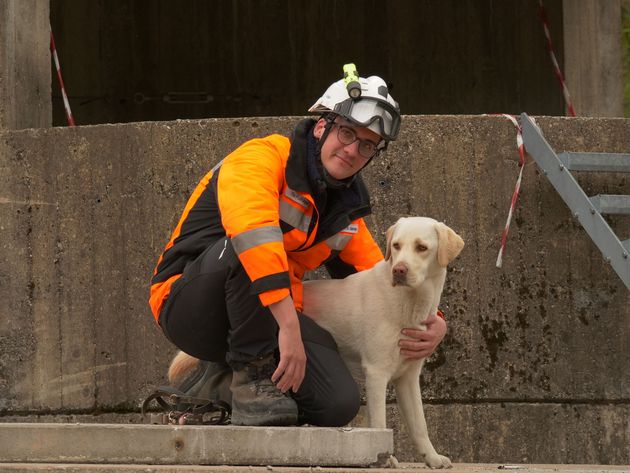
column 347, row 136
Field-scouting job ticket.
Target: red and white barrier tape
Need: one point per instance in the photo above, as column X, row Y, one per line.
column 517, row 188
column 542, row 13
column 66, row 104
column 519, row 136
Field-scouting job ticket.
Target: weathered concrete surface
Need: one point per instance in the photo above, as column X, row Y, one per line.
column 593, row 56
column 533, row 369
column 407, row 467
column 194, row 445
column 135, row 60
column 25, row 78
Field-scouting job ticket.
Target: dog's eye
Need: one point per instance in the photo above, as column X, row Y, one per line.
column 421, row 248
column 396, row 246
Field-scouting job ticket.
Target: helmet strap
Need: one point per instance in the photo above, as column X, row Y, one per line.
column 330, row 121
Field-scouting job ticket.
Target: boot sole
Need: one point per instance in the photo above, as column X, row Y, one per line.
column 277, row 419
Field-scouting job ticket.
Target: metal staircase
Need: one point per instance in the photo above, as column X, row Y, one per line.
column 587, row 210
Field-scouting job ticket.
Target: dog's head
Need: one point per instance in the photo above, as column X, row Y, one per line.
column 417, row 247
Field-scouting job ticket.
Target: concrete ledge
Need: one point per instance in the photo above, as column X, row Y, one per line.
column 408, row 467
column 193, row 445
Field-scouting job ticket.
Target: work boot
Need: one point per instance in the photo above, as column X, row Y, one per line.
column 255, row 398
column 209, row 380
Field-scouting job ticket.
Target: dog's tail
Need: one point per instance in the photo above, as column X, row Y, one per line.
column 181, row 365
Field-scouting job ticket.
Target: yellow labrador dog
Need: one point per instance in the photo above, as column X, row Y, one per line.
column 366, row 312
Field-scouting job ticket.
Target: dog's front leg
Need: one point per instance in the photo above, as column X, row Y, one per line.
column 409, row 400
column 375, row 392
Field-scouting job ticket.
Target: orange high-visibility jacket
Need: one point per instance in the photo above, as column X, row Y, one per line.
column 260, row 197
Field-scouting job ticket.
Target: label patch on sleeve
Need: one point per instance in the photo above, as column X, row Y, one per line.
column 352, row 228
column 295, row 197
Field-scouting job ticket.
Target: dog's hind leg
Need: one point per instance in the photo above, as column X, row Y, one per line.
column 409, row 400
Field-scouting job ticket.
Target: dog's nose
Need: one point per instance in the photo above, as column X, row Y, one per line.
column 399, row 270
column 399, row 274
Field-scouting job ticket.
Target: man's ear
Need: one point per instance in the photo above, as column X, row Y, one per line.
column 450, row 244
column 318, row 130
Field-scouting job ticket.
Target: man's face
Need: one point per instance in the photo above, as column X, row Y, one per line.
column 342, row 161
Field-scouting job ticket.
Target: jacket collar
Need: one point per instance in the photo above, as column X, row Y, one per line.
column 355, row 197
column 296, row 172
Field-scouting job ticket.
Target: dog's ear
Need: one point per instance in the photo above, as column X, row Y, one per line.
column 388, row 236
column 450, row 244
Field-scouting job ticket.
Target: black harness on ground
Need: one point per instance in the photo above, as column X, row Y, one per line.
column 182, row 409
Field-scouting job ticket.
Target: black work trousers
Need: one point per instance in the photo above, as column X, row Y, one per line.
column 212, row 314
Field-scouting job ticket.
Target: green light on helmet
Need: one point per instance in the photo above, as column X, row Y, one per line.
column 351, row 79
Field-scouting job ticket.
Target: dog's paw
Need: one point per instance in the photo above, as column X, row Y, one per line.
column 438, row 461
column 385, row 461
column 392, row 462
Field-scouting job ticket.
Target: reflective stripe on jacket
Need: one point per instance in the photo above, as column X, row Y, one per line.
column 260, row 197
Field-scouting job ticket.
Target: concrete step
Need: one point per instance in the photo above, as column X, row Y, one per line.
column 121, row 448
column 193, row 445
column 404, row 468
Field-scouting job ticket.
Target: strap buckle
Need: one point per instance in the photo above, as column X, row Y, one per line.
column 180, row 409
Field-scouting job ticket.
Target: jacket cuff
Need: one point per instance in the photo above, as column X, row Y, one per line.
column 275, row 295
column 271, row 281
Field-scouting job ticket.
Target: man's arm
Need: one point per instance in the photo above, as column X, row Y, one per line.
column 423, row 342
column 292, row 366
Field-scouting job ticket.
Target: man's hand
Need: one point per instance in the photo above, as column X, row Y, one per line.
column 423, row 343
column 290, row 371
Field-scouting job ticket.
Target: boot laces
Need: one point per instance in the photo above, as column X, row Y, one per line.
column 260, row 372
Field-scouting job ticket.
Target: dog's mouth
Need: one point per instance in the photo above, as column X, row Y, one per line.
column 398, row 280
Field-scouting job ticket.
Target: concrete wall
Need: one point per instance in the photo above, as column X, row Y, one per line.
column 25, row 94
column 534, row 367
column 593, row 56
column 142, row 60
column 149, row 60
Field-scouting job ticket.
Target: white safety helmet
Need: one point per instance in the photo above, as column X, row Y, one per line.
column 374, row 108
